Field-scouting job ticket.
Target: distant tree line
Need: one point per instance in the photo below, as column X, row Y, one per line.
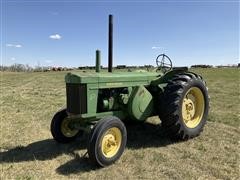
column 133, row 67
column 219, row 66
column 27, row 68
column 201, row 66
column 17, row 68
column 88, row 67
column 117, row 67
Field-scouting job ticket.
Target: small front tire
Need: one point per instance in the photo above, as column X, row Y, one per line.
column 60, row 129
column 107, row 141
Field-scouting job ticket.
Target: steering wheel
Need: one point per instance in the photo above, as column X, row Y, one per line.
column 164, row 63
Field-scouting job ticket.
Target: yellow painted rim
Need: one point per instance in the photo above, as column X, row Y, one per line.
column 66, row 131
column 193, row 107
column 111, row 142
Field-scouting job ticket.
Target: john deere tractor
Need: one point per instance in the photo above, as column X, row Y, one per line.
column 99, row 102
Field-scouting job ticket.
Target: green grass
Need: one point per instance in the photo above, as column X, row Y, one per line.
column 27, row 151
column 224, row 90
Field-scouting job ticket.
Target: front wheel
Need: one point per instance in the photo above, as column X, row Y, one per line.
column 185, row 105
column 107, row 141
column 60, row 129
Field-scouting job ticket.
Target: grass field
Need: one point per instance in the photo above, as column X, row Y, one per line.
column 27, row 151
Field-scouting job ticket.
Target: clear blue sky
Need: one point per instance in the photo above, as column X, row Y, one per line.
column 67, row 33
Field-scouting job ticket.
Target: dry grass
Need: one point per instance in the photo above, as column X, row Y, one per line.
column 27, row 151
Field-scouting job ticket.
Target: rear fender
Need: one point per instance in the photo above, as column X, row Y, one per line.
column 166, row 77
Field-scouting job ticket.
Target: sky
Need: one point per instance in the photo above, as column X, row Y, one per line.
column 67, row 33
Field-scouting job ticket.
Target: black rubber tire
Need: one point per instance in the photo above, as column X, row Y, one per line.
column 170, row 111
column 56, row 128
column 95, row 139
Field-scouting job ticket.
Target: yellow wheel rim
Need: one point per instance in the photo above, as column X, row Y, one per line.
column 111, row 142
column 193, row 107
column 66, row 131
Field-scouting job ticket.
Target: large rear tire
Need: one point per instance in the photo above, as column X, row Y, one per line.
column 185, row 105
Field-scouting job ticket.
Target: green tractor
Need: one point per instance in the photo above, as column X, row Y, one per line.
column 99, row 102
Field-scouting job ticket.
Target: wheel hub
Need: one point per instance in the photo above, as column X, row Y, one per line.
column 66, row 130
column 193, row 107
column 111, row 142
column 189, row 109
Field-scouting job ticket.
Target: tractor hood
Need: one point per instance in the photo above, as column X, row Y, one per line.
column 115, row 77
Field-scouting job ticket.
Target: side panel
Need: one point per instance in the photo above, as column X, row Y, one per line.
column 140, row 105
column 92, row 97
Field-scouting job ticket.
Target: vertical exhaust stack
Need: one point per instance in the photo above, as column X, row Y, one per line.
column 98, row 61
column 110, row 43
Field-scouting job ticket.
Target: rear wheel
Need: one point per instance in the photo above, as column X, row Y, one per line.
column 60, row 129
column 185, row 105
column 107, row 141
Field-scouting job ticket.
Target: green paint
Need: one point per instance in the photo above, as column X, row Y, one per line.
column 116, row 79
column 98, row 60
column 140, row 106
column 127, row 95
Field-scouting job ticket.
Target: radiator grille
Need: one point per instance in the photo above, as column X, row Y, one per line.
column 76, row 98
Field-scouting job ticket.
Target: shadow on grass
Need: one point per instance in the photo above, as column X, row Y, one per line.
column 41, row 150
column 146, row 135
column 139, row 136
